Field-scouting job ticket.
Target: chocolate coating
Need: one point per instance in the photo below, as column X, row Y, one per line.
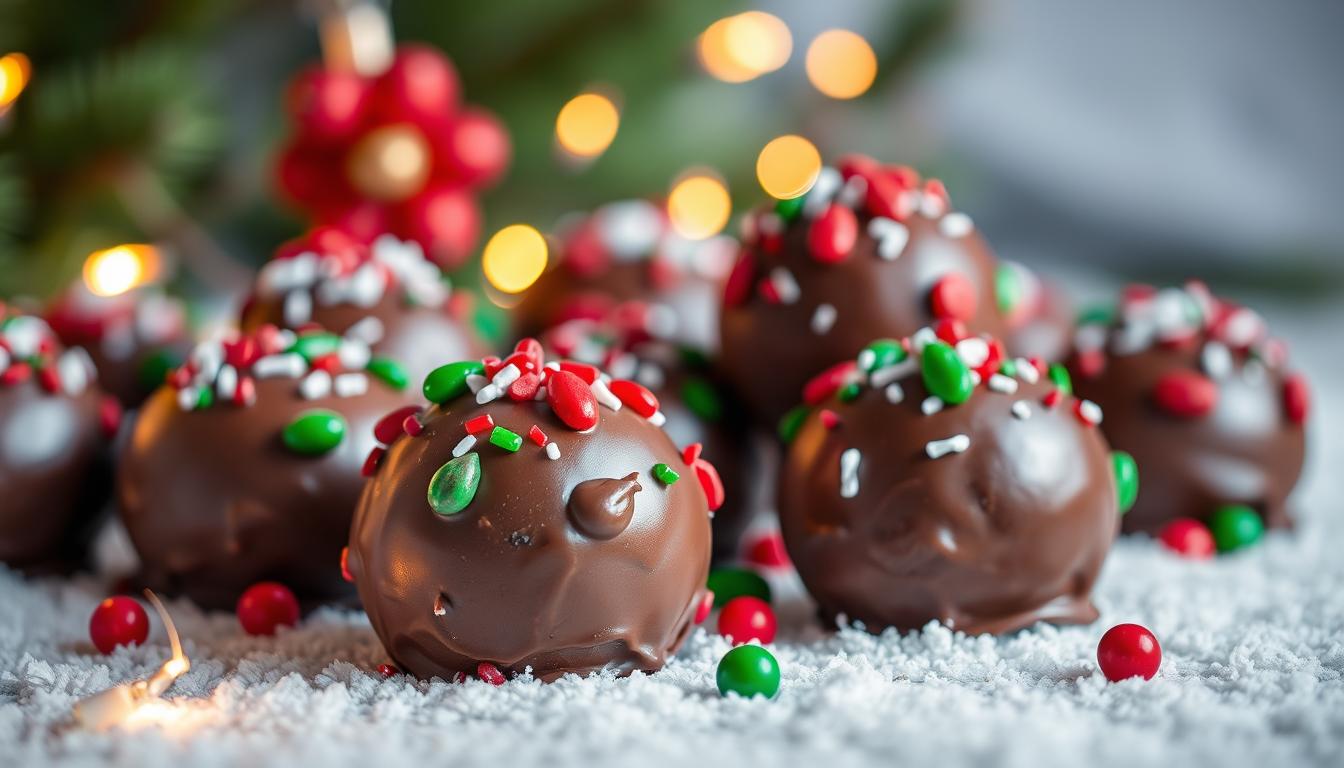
column 581, row 563
column 214, row 501
column 771, row 346
column 1246, row 449
column 1009, row 532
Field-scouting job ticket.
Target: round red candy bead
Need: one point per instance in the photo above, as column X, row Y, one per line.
column 388, row 670
column 1186, row 394
column 118, row 621
column 769, row 551
column 267, row 606
column 1188, row 538
column 1128, row 650
column 953, row 296
column 833, row 234
column 747, row 618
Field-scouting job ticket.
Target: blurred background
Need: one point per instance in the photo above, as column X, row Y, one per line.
column 1147, row 139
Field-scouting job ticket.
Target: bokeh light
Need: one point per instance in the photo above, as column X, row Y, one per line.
column 788, row 167
column 841, row 64
column 739, row 48
column 698, row 206
column 114, row 271
column 587, row 125
column 15, row 70
column 514, row 258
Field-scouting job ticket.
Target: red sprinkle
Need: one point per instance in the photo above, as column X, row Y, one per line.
column 572, row 400
column 522, row 361
column 109, row 415
column 768, row 550
column 636, row 396
column 372, row 461
column 951, row 331
column 1053, row 397
column 738, row 288
column 1296, row 398
column 241, row 353
column 531, row 348
column 489, row 673
column 829, row 419
column 329, row 363
column 833, row 234
column 1186, row 394
column 388, row 670
column 936, row 189
column 391, row 426
column 537, row 436
column 768, row 291
column 478, row 424
column 246, row 391
column 588, row 373
column 828, row 382
column 492, row 365
column 953, row 296
column 524, row 387
column 888, row 196
column 691, row 452
column 1091, row 363
column 16, row 372
column 706, row 605
column 710, row 483
column 992, row 363
column 49, row 378
column 412, row 426
column 345, row 565
column 1188, row 538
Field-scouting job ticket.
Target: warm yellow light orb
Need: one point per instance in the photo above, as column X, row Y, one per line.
column 698, row 206
column 15, row 70
column 514, row 258
column 788, row 167
column 114, row 271
column 587, row 125
column 738, row 48
column 841, row 64
column 390, row 163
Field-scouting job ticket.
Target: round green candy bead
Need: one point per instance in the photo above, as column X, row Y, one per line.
column 945, row 375
column 1126, row 480
column 727, row 583
column 454, row 485
column 314, row 432
column 748, row 670
column 389, row 371
column 790, row 209
column 880, row 354
column 448, row 382
column 1060, row 376
column 1007, row 288
column 315, row 345
column 791, row 422
column 1235, row 526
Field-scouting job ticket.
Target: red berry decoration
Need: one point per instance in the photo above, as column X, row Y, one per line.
column 1296, row 398
column 953, row 297
column 572, row 400
column 1128, row 650
column 747, row 618
column 1188, row 538
column 118, row 621
column 267, row 606
column 833, row 234
column 768, row 550
column 1186, row 394
column 489, row 673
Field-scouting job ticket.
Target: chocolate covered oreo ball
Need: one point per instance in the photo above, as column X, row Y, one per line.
column 933, row 480
column 387, row 294
column 533, row 516
column 870, row 251
column 246, row 466
column 55, row 428
column 627, row 252
column 1202, row 397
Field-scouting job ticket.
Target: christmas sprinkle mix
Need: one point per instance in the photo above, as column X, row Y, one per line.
column 30, row 350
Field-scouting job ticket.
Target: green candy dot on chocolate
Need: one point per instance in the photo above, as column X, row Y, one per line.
column 945, row 375
column 665, row 474
column 507, row 439
column 205, row 399
column 1235, row 526
column 454, row 485
column 388, row 371
column 748, row 670
column 448, row 382
column 315, row 345
column 791, row 422
column 314, row 432
column 700, row 396
column 880, row 354
column 727, row 583
column 850, row 392
column 1126, row 480
column 1007, row 288
column 1060, row 376
column 789, row 209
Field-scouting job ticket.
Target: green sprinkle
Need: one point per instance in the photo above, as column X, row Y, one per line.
column 1235, row 526
column 509, row 441
column 1007, row 288
column 1060, row 376
column 791, row 422
column 850, row 392
column 1101, row 314
column 315, row 345
column 748, row 671
column 448, row 382
column 389, row 371
column 1008, row 367
column 945, row 375
column 1126, row 480
column 880, row 354
column 693, row 358
column 790, row 209
column 665, row 474
column 701, row 398
column 454, row 485
column 727, row 583
column 314, row 432
column 206, row 398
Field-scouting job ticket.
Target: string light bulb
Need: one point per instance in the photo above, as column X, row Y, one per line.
column 745, row 46
column 841, row 64
column 15, row 71
column 698, row 206
column 514, row 258
column 788, row 166
column 587, row 125
column 120, row 704
column 116, row 270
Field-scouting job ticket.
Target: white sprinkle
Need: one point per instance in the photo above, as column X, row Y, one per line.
column 439, row 610
column 350, row 384
column 541, row 394
column 769, row 223
column 895, row 393
column 354, row 355
column 298, row 307
column 1002, row 384
column 476, row 382
column 1090, row 337
column 207, row 358
column 866, row 359
column 24, row 334
column 464, row 445
column 4, row 360
column 854, row 192
column 823, row 191
column 975, row 378
column 849, row 473
column 488, row 393
column 651, row 375
column 1090, row 411
column 552, row 451
column 889, row 373
column 1026, row 371
column 823, row 318
column 932, row 206
column 936, row 449
column 931, row 405
column 956, row 225
column 973, row 351
column 785, row 285
column 1216, row 360
column 506, row 376
column 922, row 338
column 657, row 419
column 553, row 365
column 289, row 365
column 1022, row 409
column 368, row 330
column 604, row 395
column 891, row 236
column 315, row 385
column 75, row 369
column 226, row 383
column 622, row 366
column 660, row 321
column 187, row 398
